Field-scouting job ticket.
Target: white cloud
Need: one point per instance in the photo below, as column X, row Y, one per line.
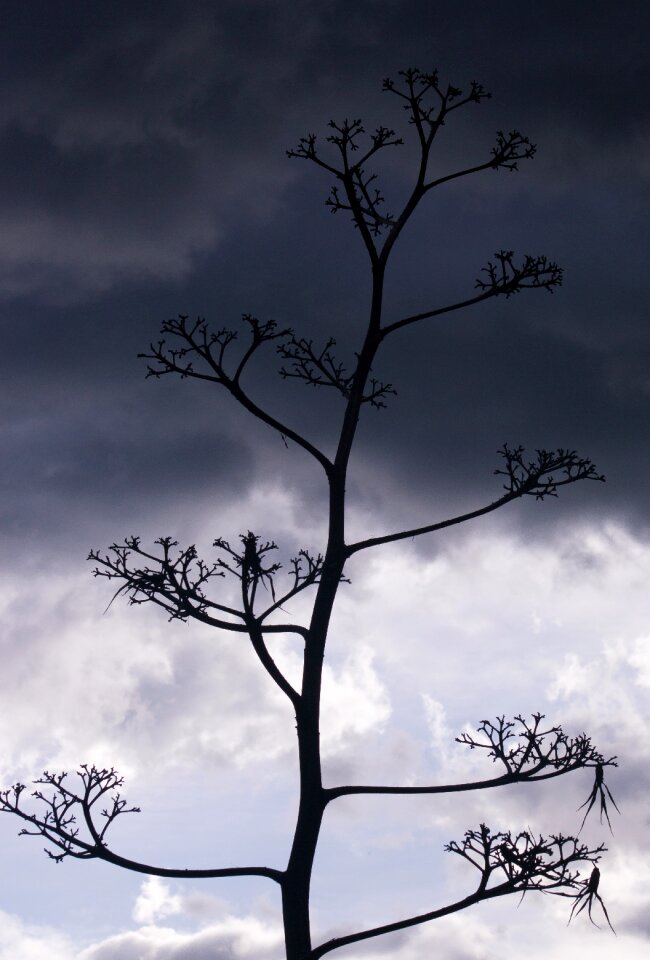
column 498, row 931
column 493, row 624
column 158, row 899
column 355, row 701
column 232, row 938
column 23, row 941
column 155, row 901
column 128, row 689
column 441, row 736
column 494, row 616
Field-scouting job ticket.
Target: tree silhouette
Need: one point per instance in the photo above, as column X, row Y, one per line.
column 75, row 819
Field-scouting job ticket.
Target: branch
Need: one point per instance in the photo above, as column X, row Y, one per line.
column 428, row 117
column 248, row 567
column 503, row 279
column 527, row 751
column 428, row 103
column 521, row 861
column 305, row 572
column 508, row 151
column 211, row 350
column 523, row 747
column 336, row 942
column 62, row 809
column 356, row 191
column 317, row 369
column 362, row 201
column 176, row 583
column 321, row 369
column 506, row 779
column 539, row 478
column 527, row 862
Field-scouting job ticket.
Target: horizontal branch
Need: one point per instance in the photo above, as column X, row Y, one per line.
column 176, row 582
column 527, row 751
column 61, row 810
column 505, row 779
column 502, row 278
column 188, row 873
column 226, row 625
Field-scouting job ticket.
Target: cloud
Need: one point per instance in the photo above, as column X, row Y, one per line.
column 138, row 681
column 119, row 161
column 230, row 939
column 492, row 624
column 24, row 941
column 355, row 702
column 144, row 172
column 471, row 935
column 155, row 902
column 128, row 691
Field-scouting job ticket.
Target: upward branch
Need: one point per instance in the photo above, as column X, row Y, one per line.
column 538, row 478
column 321, row 369
column 500, row 277
column 428, row 104
column 199, row 345
column 506, row 863
column 178, row 581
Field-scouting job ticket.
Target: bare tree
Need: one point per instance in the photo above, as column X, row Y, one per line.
column 75, row 819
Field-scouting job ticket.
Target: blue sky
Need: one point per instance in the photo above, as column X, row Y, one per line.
column 144, row 175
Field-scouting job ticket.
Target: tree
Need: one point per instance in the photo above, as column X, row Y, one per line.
column 75, row 819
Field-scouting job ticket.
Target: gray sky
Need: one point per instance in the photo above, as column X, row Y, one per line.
column 143, row 174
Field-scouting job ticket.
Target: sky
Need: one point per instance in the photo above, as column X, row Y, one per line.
column 143, row 175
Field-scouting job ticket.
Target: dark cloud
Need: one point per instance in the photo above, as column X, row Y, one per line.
column 144, row 174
